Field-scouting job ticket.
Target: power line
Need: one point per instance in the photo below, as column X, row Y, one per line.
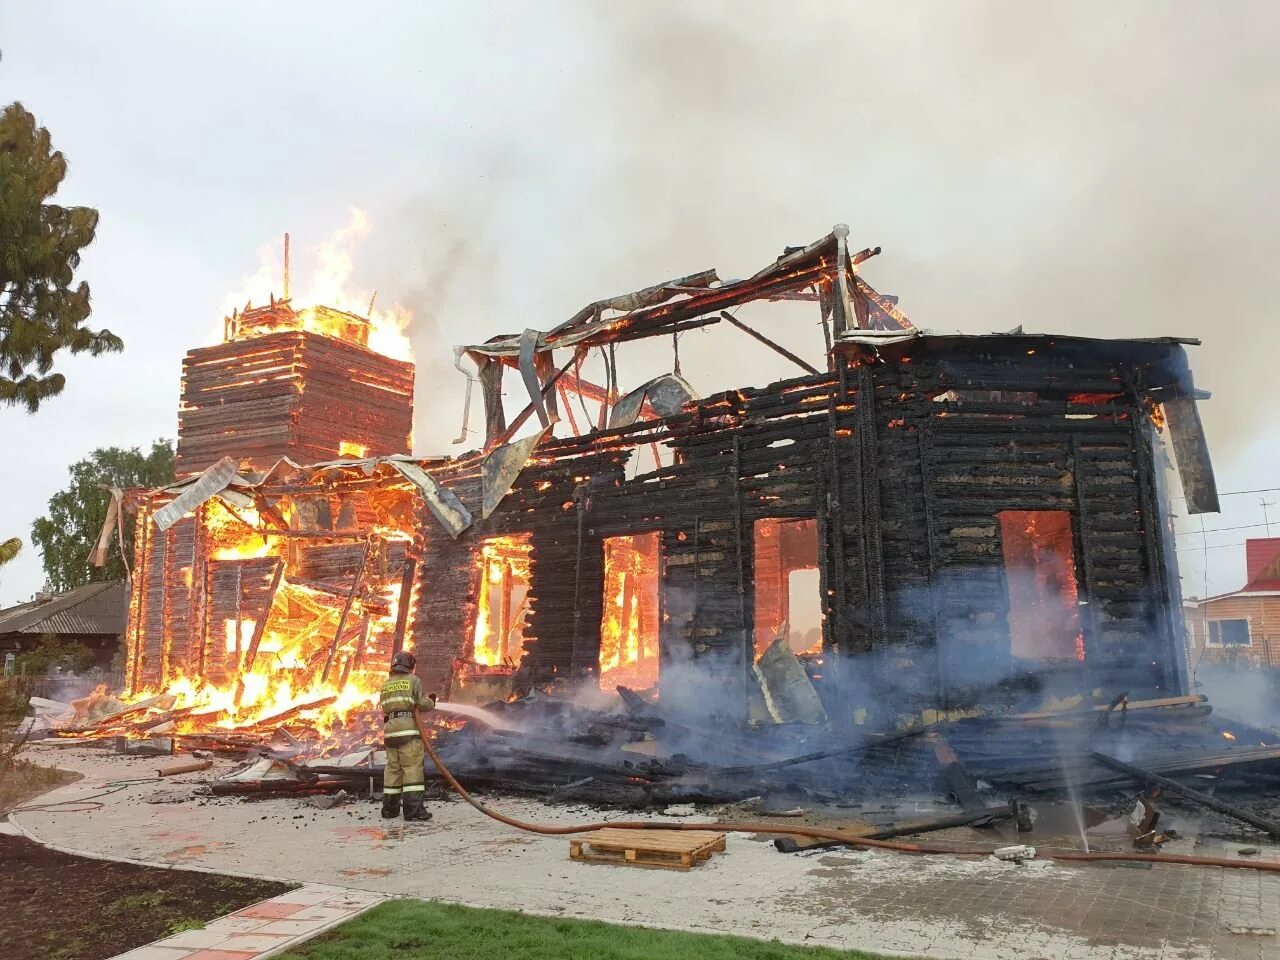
column 1234, row 493
column 1216, row 546
column 1247, row 526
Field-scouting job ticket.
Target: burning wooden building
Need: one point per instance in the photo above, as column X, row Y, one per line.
column 974, row 520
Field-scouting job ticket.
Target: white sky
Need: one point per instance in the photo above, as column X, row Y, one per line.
column 1089, row 168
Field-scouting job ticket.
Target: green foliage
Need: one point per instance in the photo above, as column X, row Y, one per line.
column 15, row 698
column 413, row 929
column 70, row 530
column 9, row 549
column 41, row 313
column 52, row 652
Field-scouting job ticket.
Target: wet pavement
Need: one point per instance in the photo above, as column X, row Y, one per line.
column 938, row 907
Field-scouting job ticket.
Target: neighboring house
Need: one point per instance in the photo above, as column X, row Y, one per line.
column 93, row 615
column 1244, row 624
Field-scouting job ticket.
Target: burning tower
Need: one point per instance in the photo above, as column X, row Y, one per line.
column 301, row 384
column 265, row 608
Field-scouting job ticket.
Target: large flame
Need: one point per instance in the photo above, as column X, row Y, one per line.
column 300, row 661
column 502, row 600
column 329, row 284
column 629, row 627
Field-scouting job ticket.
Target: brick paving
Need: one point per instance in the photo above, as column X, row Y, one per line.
column 263, row 929
column 943, row 908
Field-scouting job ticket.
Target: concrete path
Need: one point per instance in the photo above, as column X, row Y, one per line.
column 937, row 907
column 264, row 929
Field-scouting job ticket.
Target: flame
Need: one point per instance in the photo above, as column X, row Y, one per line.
column 1156, row 412
column 234, row 533
column 304, row 671
column 1228, row 735
column 503, row 568
column 330, row 284
column 1043, row 592
column 629, row 626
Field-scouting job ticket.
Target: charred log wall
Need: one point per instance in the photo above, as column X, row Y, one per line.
column 906, row 465
column 1056, row 431
column 160, row 629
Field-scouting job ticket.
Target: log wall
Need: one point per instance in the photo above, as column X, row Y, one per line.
column 906, row 467
column 904, row 462
column 294, row 394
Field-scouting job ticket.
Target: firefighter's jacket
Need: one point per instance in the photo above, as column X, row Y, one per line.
column 401, row 692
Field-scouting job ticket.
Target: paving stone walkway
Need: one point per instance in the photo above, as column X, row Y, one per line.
column 944, row 908
column 264, row 929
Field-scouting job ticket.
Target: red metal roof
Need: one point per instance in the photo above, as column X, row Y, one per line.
column 1262, row 565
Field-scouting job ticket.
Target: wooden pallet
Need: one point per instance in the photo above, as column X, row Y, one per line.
column 664, row 849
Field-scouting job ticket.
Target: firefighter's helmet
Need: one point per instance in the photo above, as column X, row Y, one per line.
column 403, row 662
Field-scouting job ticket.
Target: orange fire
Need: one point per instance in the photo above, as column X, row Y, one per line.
column 347, row 314
column 315, row 657
column 1044, row 615
column 629, row 626
column 502, row 600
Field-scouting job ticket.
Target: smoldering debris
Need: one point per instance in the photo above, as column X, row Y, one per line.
column 993, row 774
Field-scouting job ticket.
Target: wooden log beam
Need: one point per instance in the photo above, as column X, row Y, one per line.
column 1269, row 827
column 527, row 412
column 775, row 347
column 402, row 607
column 260, row 625
column 346, row 610
column 290, row 712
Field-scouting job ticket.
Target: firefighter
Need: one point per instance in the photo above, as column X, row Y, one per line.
column 402, row 778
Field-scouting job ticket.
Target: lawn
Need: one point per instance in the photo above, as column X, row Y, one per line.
column 409, row 929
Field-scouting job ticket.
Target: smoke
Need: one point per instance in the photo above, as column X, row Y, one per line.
column 1095, row 171
column 1243, row 693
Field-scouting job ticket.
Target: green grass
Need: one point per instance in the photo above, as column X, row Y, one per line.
column 411, row 929
column 136, row 901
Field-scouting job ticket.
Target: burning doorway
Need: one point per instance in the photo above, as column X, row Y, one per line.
column 788, row 600
column 502, row 604
column 629, row 623
column 1040, row 574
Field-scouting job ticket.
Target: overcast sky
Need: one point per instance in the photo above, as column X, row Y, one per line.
column 1087, row 168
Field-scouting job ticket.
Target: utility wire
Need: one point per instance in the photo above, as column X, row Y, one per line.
column 1216, row 546
column 1196, row 533
column 1233, row 493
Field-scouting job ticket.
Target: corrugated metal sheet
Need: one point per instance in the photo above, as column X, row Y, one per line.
column 96, row 608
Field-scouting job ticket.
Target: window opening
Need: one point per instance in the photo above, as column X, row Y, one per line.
column 502, row 606
column 1229, row 633
column 788, row 601
column 1040, row 572
column 629, row 622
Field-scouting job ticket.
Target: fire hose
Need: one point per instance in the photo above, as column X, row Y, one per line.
column 817, row 833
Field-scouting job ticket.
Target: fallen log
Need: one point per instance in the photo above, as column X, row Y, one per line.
column 972, row 818
column 1048, row 779
column 260, row 787
column 1128, row 705
column 959, row 781
column 290, row 712
column 161, row 702
column 1270, row 827
column 183, row 766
